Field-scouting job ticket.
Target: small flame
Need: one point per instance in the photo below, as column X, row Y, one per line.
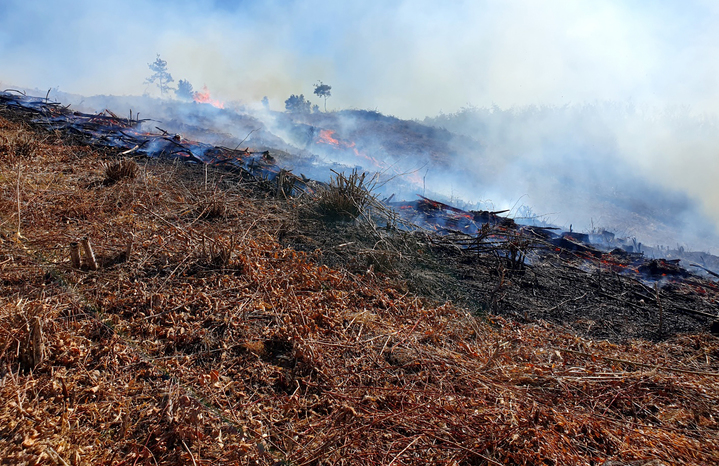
column 327, row 136
column 204, row 98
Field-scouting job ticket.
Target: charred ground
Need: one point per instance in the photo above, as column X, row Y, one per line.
column 226, row 324
column 582, row 293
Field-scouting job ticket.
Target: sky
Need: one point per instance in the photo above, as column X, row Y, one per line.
column 409, row 58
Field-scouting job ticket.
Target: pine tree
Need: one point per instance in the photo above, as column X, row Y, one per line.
column 323, row 90
column 160, row 75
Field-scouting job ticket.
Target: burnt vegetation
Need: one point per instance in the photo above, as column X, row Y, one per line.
column 232, row 319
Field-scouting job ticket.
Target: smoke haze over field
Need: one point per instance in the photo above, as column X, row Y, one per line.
column 416, row 58
column 581, row 165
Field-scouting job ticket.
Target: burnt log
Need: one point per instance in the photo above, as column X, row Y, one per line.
column 567, row 243
column 657, row 268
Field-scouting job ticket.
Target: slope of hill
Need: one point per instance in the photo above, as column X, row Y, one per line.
column 590, row 166
column 202, row 339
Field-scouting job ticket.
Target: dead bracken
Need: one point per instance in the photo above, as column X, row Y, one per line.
column 212, row 343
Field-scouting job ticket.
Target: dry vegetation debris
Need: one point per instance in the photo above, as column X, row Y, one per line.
column 201, row 340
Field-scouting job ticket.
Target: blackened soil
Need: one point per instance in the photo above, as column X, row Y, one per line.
column 556, row 287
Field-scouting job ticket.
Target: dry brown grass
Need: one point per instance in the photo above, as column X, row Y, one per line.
column 212, row 344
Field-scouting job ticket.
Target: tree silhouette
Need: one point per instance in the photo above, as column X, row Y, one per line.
column 160, row 75
column 184, row 90
column 298, row 104
column 323, row 90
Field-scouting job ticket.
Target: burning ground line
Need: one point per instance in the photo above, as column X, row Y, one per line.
column 111, row 131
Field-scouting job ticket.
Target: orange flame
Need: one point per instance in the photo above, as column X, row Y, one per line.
column 204, row 98
column 327, row 136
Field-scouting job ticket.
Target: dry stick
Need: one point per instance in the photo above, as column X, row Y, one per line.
column 56, row 456
column 405, row 449
column 384, row 346
column 130, row 151
column 280, row 180
column 33, row 344
column 192, row 457
column 75, row 254
column 19, row 165
column 87, row 248
column 248, row 135
column 128, row 248
column 661, row 311
column 705, row 269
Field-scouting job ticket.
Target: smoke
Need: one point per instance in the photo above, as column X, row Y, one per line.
column 597, row 166
column 413, row 58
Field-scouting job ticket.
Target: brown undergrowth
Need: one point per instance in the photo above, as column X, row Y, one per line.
column 201, row 340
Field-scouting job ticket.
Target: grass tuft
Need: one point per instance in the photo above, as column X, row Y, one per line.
column 126, row 169
column 212, row 207
column 16, row 145
column 345, row 198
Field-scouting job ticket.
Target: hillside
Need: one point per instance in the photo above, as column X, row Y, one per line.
column 590, row 166
column 228, row 324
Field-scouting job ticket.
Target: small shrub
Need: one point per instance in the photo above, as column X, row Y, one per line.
column 17, row 145
column 221, row 253
column 212, row 208
column 126, row 169
column 345, row 198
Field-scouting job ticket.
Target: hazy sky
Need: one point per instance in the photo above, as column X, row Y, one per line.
column 407, row 58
